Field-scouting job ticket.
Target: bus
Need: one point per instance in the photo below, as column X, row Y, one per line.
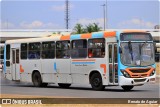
column 108, row 58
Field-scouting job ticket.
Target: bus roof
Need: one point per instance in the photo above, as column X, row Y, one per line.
column 57, row 37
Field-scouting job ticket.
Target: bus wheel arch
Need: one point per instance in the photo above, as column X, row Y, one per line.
column 37, row 79
column 95, row 80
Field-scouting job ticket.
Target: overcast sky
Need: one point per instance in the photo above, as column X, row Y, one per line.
column 50, row 14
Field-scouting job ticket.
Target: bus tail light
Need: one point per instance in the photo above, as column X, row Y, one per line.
column 125, row 74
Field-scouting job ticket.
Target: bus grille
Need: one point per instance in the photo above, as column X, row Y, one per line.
column 139, row 70
column 139, row 80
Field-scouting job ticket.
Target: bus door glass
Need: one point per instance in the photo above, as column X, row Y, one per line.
column 15, row 64
column 113, row 65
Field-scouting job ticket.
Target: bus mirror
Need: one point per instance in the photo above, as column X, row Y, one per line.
column 120, row 50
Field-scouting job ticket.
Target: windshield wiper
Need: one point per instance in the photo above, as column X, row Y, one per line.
column 130, row 49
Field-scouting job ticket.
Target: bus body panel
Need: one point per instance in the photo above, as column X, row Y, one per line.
column 71, row 70
column 63, row 70
column 49, row 74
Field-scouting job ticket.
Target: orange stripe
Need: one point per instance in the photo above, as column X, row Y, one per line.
column 85, row 36
column 125, row 31
column 85, row 60
column 104, row 67
column 109, row 34
column 21, row 68
column 67, row 37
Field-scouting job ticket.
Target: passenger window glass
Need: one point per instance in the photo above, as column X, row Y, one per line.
column 8, row 52
column 79, row 49
column 110, row 53
column 48, row 50
column 17, row 56
column 115, row 53
column 63, row 49
column 96, row 48
column 24, row 51
column 34, row 51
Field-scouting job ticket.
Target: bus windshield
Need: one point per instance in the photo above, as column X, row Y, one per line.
column 137, row 54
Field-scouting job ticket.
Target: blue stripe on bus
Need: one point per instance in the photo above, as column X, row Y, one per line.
column 77, row 36
column 55, row 66
column 118, row 35
column 98, row 35
column 83, row 62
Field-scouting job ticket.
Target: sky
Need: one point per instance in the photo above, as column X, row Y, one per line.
column 50, row 14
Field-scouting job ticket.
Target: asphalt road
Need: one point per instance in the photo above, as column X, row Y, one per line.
column 78, row 91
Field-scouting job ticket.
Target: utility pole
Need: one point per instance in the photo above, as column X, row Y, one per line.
column 104, row 13
column 106, row 16
column 67, row 14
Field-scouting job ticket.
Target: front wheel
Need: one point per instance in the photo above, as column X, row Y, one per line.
column 127, row 88
column 96, row 82
column 64, row 85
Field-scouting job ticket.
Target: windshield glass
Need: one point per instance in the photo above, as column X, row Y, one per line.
column 137, row 54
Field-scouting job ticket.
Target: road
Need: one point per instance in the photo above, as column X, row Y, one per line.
column 78, row 91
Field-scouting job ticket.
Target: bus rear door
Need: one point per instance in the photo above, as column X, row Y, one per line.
column 15, row 66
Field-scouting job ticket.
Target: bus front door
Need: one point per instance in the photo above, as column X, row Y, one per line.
column 113, row 65
column 15, row 64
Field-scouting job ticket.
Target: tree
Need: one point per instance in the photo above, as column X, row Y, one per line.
column 89, row 28
column 96, row 28
column 78, row 29
column 92, row 28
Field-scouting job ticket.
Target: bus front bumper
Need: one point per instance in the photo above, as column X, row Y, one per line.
column 136, row 81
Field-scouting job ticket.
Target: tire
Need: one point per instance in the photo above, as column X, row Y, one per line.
column 44, row 84
column 64, row 85
column 127, row 88
column 96, row 82
column 37, row 80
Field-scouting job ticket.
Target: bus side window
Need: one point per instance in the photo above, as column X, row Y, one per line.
column 8, row 55
column 24, row 51
column 34, row 50
column 8, row 52
column 63, row 49
column 48, row 50
column 96, row 48
column 79, row 49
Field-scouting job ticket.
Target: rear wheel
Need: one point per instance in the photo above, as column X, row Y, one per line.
column 127, row 88
column 37, row 80
column 64, row 85
column 96, row 82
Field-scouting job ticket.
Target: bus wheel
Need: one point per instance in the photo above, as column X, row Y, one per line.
column 127, row 88
column 64, row 85
column 37, row 80
column 96, row 82
column 44, row 84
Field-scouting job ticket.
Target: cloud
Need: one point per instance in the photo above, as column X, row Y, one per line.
column 34, row 24
column 61, row 7
column 6, row 25
column 86, row 21
column 136, row 23
column 39, row 25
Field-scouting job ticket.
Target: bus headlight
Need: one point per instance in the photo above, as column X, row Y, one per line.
column 153, row 72
column 125, row 74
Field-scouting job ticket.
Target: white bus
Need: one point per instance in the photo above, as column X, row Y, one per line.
column 99, row 59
